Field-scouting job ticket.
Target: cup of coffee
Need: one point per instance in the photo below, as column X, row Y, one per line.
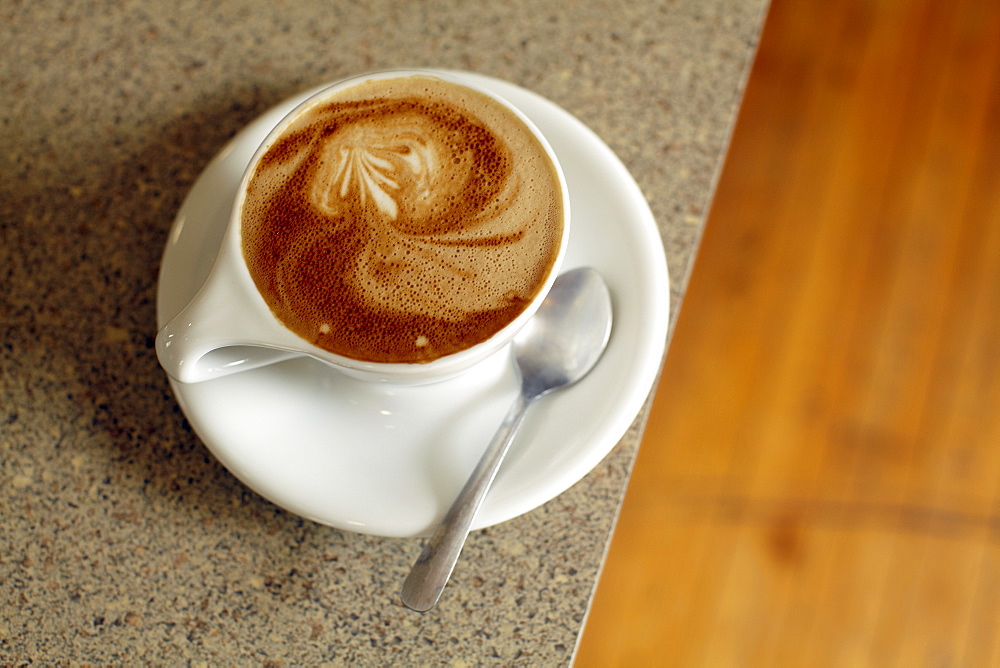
column 400, row 226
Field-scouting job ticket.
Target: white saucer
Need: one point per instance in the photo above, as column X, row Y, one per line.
column 388, row 461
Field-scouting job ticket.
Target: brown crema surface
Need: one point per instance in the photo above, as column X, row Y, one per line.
column 401, row 220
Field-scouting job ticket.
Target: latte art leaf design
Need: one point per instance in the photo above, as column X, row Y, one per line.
column 366, row 166
column 371, row 175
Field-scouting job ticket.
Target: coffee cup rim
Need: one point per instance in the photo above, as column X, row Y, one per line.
column 398, row 372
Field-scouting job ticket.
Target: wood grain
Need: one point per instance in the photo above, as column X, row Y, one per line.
column 819, row 483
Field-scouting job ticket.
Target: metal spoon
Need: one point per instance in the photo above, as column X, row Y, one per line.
column 558, row 347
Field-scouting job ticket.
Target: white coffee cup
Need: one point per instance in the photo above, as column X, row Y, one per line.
column 228, row 327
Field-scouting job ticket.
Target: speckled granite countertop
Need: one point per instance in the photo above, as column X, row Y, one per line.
column 121, row 539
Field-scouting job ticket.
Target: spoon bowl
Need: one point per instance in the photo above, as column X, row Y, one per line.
column 558, row 347
column 567, row 336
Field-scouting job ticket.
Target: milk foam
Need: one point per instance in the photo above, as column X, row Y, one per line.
column 401, row 220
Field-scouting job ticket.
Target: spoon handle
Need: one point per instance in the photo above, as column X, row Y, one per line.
column 437, row 560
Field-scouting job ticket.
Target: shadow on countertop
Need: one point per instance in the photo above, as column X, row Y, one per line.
column 82, row 229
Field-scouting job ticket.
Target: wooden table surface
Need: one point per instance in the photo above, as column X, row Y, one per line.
column 819, row 483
